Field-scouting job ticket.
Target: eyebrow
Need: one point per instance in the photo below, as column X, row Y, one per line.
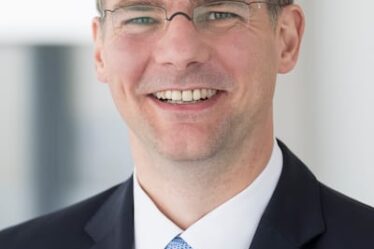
column 161, row 3
column 212, row 1
column 138, row 2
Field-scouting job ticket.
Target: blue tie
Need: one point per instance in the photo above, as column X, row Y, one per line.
column 178, row 243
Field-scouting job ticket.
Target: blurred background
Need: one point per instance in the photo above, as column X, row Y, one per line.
column 61, row 139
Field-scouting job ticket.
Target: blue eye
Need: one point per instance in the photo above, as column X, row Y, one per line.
column 141, row 21
column 221, row 15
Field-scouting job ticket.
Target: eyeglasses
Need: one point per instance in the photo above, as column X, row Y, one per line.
column 211, row 17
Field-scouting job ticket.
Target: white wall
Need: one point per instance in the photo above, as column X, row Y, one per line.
column 325, row 109
column 46, row 21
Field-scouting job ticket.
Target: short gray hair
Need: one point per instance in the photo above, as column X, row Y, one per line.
column 99, row 6
column 275, row 7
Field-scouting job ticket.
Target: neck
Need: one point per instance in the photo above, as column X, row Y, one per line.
column 186, row 191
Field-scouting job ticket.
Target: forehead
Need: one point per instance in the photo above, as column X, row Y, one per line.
column 114, row 3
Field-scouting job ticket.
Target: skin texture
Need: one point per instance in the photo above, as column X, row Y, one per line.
column 190, row 161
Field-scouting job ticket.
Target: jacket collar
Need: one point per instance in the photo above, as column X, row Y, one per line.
column 293, row 216
column 113, row 225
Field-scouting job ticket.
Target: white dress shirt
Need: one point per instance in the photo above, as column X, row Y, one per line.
column 230, row 225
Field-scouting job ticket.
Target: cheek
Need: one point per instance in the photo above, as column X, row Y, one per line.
column 240, row 55
column 252, row 62
column 125, row 62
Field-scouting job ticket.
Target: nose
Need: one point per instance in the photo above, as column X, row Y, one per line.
column 181, row 46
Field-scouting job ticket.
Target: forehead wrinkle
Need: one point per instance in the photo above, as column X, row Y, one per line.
column 211, row 1
column 160, row 2
column 141, row 2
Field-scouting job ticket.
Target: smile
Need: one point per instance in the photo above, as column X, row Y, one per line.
column 185, row 96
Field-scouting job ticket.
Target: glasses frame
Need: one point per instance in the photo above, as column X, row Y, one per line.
column 105, row 12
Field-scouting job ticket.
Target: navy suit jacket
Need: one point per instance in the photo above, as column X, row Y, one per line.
column 302, row 213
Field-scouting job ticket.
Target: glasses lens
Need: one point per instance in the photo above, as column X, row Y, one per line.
column 220, row 16
column 138, row 19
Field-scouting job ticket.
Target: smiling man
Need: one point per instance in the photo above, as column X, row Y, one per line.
column 194, row 81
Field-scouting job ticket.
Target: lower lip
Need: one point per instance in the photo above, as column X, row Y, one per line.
column 199, row 106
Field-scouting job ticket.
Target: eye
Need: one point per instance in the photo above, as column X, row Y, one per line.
column 144, row 20
column 212, row 16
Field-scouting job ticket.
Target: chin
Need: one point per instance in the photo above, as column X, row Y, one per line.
column 183, row 156
column 187, row 150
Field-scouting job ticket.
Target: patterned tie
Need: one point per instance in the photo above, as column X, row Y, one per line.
column 178, row 243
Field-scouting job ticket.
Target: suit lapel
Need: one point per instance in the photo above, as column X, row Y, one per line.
column 112, row 227
column 293, row 216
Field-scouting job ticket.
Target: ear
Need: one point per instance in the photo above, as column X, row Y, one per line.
column 97, row 33
column 290, row 29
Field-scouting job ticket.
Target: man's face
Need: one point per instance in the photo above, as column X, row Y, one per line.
column 237, row 67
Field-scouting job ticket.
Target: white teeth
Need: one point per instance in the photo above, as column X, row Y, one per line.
column 187, row 96
column 176, row 95
column 180, row 97
column 168, row 94
column 196, row 94
column 211, row 93
column 204, row 93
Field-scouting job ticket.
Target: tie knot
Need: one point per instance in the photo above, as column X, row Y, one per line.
column 178, row 243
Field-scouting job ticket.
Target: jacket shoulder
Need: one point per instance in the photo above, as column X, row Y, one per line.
column 317, row 216
column 346, row 220
column 60, row 229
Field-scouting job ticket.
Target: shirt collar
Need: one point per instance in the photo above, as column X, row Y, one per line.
column 153, row 230
column 230, row 225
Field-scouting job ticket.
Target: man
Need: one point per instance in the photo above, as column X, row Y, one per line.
column 194, row 81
